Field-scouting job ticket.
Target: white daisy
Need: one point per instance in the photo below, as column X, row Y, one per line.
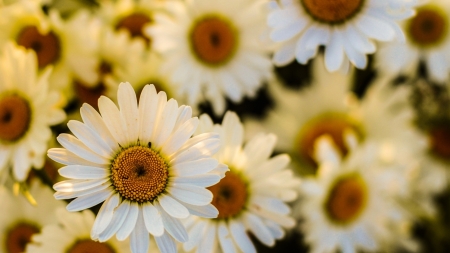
column 27, row 110
column 69, row 45
column 328, row 107
column 347, row 29
column 70, row 232
column 142, row 164
column 213, row 49
column 427, row 39
column 116, row 54
column 250, row 198
column 20, row 220
column 130, row 15
column 351, row 205
column 141, row 71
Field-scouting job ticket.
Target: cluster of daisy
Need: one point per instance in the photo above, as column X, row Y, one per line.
column 224, row 125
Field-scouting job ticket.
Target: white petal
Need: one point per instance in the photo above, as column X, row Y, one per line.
column 78, row 185
column 209, row 242
column 120, row 214
column 196, row 167
column 90, row 138
column 204, row 180
column 257, row 227
column 139, row 238
column 88, row 201
column 172, row 225
column 375, row 28
column 289, row 31
column 80, row 149
column 129, row 109
column 64, row 156
column 240, row 237
column 83, row 172
column 166, row 123
column 182, row 134
column 166, row 244
column 334, row 52
column 147, row 112
column 173, row 207
column 196, row 233
column 75, row 194
column 113, row 120
column 225, row 240
column 152, row 219
column 191, row 194
column 105, row 215
column 130, row 222
column 208, row 211
column 95, row 122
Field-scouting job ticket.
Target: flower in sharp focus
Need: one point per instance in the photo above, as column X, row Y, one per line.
column 213, row 49
column 347, row 29
column 252, row 196
column 351, row 205
column 427, row 39
column 20, row 220
column 70, row 233
column 27, row 110
column 140, row 161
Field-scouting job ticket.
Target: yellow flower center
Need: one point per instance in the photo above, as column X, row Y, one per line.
column 89, row 246
column 134, row 24
column 346, row 199
column 139, row 174
column 331, row 124
column 229, row 195
column 332, row 11
column 428, row 27
column 439, row 138
column 15, row 117
column 46, row 46
column 19, row 236
column 213, row 40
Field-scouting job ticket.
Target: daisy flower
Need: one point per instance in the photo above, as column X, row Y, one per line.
column 68, row 45
column 250, row 198
column 347, row 29
column 384, row 114
column 71, row 233
column 130, row 15
column 20, row 220
column 141, row 71
column 140, row 162
column 350, row 205
column 213, row 49
column 27, row 110
column 427, row 40
column 116, row 53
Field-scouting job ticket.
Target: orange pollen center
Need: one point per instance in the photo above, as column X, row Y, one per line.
column 439, row 138
column 428, row 27
column 19, row 236
column 139, row 174
column 346, row 200
column 15, row 117
column 334, row 126
column 332, row 11
column 89, row 246
column 229, row 195
column 46, row 46
column 213, row 40
column 134, row 24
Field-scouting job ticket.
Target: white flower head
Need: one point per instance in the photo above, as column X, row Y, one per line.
column 347, row 29
column 140, row 161
column 352, row 204
column 70, row 232
column 427, row 40
column 27, row 110
column 212, row 49
column 250, row 198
